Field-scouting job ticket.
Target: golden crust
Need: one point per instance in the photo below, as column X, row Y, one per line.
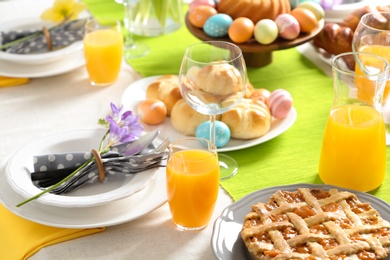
column 219, row 79
column 185, row 119
column 166, row 89
column 254, row 9
column 315, row 224
column 248, row 119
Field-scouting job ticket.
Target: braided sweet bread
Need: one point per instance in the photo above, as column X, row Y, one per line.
column 254, row 9
column 315, row 224
column 336, row 38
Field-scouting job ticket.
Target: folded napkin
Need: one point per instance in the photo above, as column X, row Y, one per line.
column 42, row 40
column 9, row 81
column 58, row 166
column 21, row 238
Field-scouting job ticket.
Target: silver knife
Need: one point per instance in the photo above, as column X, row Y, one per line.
column 141, row 143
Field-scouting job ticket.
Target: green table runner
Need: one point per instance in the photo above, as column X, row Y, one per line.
column 287, row 159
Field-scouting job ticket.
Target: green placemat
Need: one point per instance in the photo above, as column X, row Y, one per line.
column 287, row 159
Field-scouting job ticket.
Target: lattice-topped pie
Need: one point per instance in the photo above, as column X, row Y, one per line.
column 315, row 224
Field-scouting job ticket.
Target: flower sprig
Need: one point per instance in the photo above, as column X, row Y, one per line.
column 122, row 126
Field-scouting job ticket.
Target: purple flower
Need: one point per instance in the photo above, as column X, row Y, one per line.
column 124, row 126
column 116, row 113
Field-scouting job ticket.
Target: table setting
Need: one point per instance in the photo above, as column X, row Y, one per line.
column 118, row 203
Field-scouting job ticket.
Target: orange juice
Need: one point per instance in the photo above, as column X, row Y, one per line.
column 192, row 187
column 103, row 50
column 354, row 149
column 365, row 91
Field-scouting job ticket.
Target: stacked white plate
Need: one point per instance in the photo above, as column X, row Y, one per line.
column 122, row 199
column 38, row 65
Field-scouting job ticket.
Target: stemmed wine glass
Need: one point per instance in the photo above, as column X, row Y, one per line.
column 212, row 80
column 132, row 49
column 372, row 35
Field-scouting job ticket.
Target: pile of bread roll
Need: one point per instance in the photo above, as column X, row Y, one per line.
column 251, row 118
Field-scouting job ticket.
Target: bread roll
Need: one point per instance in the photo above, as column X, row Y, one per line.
column 219, row 79
column 166, row 89
column 249, row 90
column 185, row 119
column 249, row 119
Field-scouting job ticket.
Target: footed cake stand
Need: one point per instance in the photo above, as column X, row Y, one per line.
column 256, row 54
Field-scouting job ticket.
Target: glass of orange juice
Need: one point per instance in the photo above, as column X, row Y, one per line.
column 103, row 51
column 353, row 151
column 192, row 182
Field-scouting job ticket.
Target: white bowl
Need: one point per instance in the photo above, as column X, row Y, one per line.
column 35, row 59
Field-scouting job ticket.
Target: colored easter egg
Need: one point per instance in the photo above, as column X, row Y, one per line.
column 261, row 94
column 217, row 25
column 152, row 111
column 222, row 132
column 241, row 30
column 280, row 103
column 200, row 14
column 196, row 3
column 288, row 26
column 306, row 19
column 316, row 8
column 266, row 31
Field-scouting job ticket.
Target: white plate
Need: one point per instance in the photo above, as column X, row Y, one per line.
column 67, row 64
column 226, row 241
column 35, row 59
column 341, row 11
column 136, row 92
column 118, row 187
column 115, row 213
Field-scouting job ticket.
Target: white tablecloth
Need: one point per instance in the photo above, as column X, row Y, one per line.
column 57, row 103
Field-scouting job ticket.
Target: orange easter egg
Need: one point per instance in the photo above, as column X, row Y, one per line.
column 306, row 19
column 261, row 94
column 152, row 111
column 199, row 15
column 241, row 30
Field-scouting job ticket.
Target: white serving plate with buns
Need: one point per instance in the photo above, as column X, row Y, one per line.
column 136, row 92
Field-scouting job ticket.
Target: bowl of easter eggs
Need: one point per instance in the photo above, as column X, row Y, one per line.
column 257, row 27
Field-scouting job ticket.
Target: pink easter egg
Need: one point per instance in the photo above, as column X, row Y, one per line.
column 280, row 103
column 196, row 3
column 288, row 26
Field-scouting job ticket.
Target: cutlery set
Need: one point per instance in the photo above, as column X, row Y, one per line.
column 140, row 155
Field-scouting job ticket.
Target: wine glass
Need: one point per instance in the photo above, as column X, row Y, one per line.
column 132, row 49
column 372, row 35
column 212, row 80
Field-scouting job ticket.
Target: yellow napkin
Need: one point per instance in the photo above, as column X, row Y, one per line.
column 21, row 238
column 8, row 81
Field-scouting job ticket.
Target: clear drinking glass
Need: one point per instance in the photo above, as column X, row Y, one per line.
column 212, row 79
column 353, row 151
column 372, row 35
column 192, row 182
